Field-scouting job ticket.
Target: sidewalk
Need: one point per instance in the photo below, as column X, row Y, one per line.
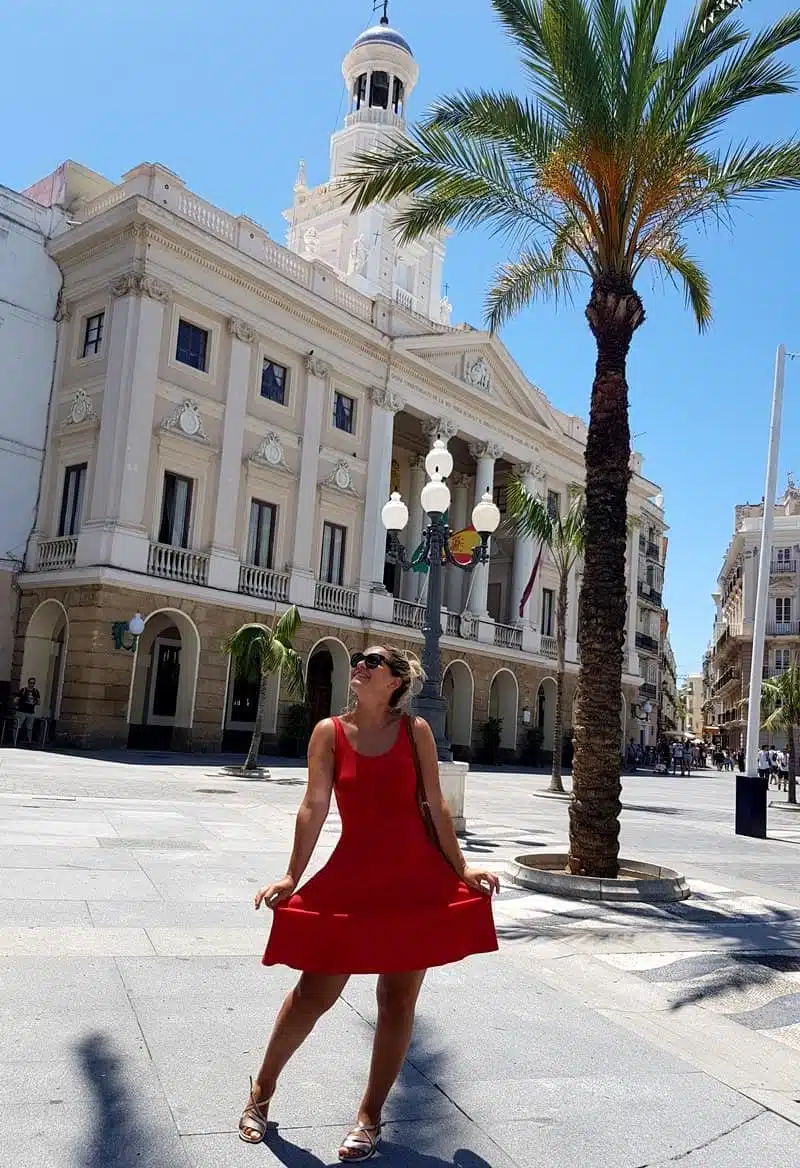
column 134, row 1005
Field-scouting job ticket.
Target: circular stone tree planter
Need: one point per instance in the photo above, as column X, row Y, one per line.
column 647, row 883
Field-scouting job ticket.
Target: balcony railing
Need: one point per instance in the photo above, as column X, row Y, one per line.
column 648, row 592
column 57, row 553
column 174, row 563
column 783, row 628
column 335, row 598
column 648, row 690
column 409, row 614
column 549, row 647
column 508, row 636
column 731, row 674
column 783, row 566
column 264, row 583
column 453, row 625
column 645, row 641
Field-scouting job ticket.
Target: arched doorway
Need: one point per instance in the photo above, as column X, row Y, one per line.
column 164, row 681
column 44, row 656
column 503, row 704
column 546, row 711
column 327, row 679
column 458, row 688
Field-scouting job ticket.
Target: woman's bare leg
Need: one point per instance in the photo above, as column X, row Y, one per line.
column 397, row 995
column 313, row 995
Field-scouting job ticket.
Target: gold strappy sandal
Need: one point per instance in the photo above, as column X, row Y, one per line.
column 254, row 1118
column 363, row 1141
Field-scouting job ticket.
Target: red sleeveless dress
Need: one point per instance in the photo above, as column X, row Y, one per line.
column 386, row 900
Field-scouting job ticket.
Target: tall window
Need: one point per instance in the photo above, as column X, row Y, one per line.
column 273, row 382
column 331, row 568
column 783, row 556
column 93, row 334
column 192, row 346
column 783, row 659
column 397, row 96
column 69, row 521
column 379, row 89
column 176, row 510
column 343, row 412
column 783, row 610
column 547, row 612
column 261, row 534
column 554, row 504
column 360, row 90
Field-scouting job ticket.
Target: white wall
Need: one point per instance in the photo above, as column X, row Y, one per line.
column 29, row 286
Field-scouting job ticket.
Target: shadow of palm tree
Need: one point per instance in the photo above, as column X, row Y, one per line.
column 737, row 962
column 121, row 1136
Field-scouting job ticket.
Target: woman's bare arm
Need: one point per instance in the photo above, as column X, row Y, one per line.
column 311, row 814
column 480, row 879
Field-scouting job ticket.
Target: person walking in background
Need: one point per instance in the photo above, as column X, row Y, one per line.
column 783, row 770
column 763, row 764
column 395, row 897
column 28, row 699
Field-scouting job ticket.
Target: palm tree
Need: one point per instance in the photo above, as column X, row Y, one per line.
column 601, row 169
column 563, row 536
column 257, row 652
column 780, row 710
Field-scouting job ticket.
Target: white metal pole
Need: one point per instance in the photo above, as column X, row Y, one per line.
column 764, row 557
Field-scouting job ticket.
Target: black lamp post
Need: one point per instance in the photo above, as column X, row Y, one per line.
column 436, row 553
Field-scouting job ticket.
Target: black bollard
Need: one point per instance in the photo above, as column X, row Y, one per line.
column 751, row 806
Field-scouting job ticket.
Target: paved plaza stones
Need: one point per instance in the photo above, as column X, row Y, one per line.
column 601, row 1036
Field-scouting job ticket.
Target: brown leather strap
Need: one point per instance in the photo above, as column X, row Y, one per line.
column 422, row 797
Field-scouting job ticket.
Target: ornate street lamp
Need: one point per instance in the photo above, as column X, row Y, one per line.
column 435, row 499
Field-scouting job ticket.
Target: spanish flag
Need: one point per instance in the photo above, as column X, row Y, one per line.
column 463, row 543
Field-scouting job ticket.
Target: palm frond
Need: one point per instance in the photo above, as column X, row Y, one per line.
column 751, row 169
column 248, row 648
column 674, row 260
column 537, row 272
column 293, row 672
column 513, row 123
column 288, row 625
column 527, row 514
column 780, row 700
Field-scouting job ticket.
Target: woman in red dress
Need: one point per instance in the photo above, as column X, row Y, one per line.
column 387, row 901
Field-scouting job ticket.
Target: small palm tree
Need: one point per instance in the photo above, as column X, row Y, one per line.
column 613, row 157
column 563, row 536
column 257, row 652
column 780, row 710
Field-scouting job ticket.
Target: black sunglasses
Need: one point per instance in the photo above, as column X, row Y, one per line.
column 371, row 660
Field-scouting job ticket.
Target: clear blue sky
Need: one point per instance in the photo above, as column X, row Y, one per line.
column 230, row 96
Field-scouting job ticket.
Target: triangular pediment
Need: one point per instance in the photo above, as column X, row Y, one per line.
column 485, row 370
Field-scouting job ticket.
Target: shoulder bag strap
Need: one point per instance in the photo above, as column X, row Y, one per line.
column 422, row 797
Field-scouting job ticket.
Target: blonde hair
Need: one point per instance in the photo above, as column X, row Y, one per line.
column 408, row 668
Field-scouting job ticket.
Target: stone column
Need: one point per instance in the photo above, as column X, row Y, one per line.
column 454, row 578
column 375, row 599
column 116, row 531
column 223, row 568
column 410, row 584
column 485, row 455
column 302, row 583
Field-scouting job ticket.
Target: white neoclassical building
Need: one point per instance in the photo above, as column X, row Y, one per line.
column 230, row 415
column 29, row 288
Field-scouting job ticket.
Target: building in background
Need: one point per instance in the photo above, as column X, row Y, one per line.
column 668, row 698
column 648, row 584
column 29, row 288
column 730, row 651
column 230, row 416
column 693, row 699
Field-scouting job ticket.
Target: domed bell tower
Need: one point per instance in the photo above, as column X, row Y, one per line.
column 380, row 74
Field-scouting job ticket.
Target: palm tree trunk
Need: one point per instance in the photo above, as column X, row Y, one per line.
column 614, row 312
column 556, row 786
column 792, row 793
column 251, row 762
